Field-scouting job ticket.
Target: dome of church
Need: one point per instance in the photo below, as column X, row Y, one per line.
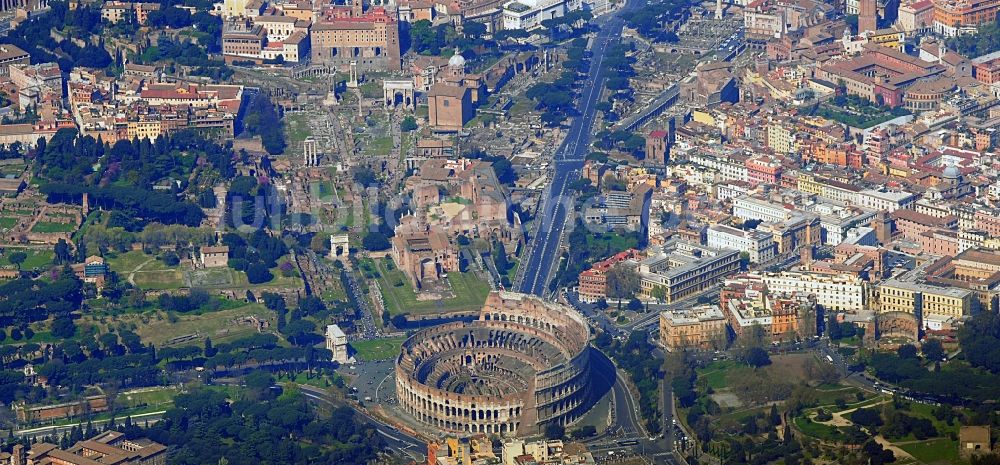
column 456, row 60
column 951, row 172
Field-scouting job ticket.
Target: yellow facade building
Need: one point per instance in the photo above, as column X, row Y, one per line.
column 701, row 327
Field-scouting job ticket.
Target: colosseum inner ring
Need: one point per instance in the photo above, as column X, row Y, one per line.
column 523, row 364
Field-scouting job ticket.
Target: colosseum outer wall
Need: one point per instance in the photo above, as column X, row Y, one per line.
column 534, row 363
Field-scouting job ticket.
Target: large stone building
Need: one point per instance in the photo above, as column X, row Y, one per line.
column 751, row 306
column 12, row 55
column 682, row 269
column 452, row 198
column 529, row 14
column 110, row 447
column 835, row 292
column 593, row 282
column 346, row 34
column 523, row 365
column 760, row 247
column 702, row 327
column 896, row 71
column 424, row 255
column 934, row 307
column 451, row 102
column 954, row 17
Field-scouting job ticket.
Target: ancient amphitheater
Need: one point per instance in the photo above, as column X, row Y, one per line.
column 522, row 365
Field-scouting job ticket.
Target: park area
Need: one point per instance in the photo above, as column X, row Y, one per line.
column 152, row 273
column 468, row 291
column 234, row 320
column 914, row 432
column 377, row 349
column 857, row 112
column 35, row 258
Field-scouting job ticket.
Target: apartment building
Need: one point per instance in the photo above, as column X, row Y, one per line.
column 750, row 306
column 683, row 268
column 593, row 282
column 701, row 327
column 729, row 170
column 911, row 224
column 840, row 293
column 750, row 208
column 760, row 246
column 924, row 300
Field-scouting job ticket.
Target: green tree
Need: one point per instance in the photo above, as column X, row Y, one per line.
column 622, row 282
column 375, row 241
column 554, row 431
column 259, row 384
column 756, row 357
column 907, row 351
column 17, row 258
column 62, row 252
column 932, row 349
column 659, row 293
column 63, row 327
column 408, row 124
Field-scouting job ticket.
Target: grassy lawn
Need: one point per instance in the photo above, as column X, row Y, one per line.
column 406, row 142
column 717, row 374
column 933, row 451
column 217, row 277
column 36, row 258
column 470, row 293
column 160, row 280
column 40, row 337
column 126, row 262
column 817, row 430
column 52, row 227
column 13, row 169
column 830, row 396
column 379, row 145
column 297, row 127
column 371, row 89
column 221, row 326
column 7, row 223
column 522, row 106
column 857, row 112
column 283, row 281
column 378, row 349
column 150, row 397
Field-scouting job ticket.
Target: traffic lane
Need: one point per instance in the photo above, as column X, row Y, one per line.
column 368, row 377
column 538, row 259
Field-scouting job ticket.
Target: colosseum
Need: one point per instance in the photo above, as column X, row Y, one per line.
column 523, row 364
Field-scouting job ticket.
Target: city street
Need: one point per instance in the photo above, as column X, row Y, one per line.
column 568, row 159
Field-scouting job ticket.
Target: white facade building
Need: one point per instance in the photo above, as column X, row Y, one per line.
column 834, row 292
column 729, row 170
column 888, row 201
column 749, row 208
column 760, row 246
column 529, row 14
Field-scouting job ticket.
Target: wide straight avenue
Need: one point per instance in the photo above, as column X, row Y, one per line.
column 568, row 161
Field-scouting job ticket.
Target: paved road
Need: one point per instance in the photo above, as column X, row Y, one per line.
column 568, row 160
column 58, row 430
